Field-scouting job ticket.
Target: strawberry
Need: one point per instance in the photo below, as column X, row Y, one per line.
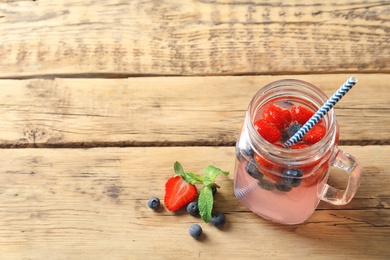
column 178, row 193
column 299, row 146
column 266, row 167
column 278, row 116
column 301, row 114
column 315, row 134
column 317, row 176
column 268, row 131
column 278, row 145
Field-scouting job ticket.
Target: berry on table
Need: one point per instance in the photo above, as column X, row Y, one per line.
column 178, row 193
column 218, row 219
column 214, row 189
column 192, row 208
column 154, row 203
column 292, row 177
column 195, row 231
column 268, row 131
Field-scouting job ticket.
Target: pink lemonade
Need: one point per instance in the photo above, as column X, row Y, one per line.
column 264, row 199
column 282, row 191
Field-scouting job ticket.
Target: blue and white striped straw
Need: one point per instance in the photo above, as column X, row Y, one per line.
column 321, row 112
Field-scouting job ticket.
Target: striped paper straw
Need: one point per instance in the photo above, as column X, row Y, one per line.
column 321, row 112
column 242, row 192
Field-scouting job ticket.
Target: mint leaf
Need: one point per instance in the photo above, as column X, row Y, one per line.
column 211, row 172
column 206, row 181
column 192, row 178
column 178, row 169
column 205, row 203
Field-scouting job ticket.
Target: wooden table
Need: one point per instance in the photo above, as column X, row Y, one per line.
column 100, row 98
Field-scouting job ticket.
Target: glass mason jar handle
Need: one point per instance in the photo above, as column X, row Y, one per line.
column 347, row 163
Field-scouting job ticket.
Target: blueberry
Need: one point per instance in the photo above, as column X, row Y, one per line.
column 154, row 203
column 265, row 184
column 218, row 219
column 292, row 129
column 252, row 170
column 248, row 151
column 195, row 231
column 285, row 136
column 242, row 152
column 292, row 177
column 192, row 208
column 239, row 156
column 286, row 102
column 282, row 187
column 214, row 189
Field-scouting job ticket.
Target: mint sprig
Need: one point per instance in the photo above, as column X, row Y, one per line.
column 189, row 177
column 206, row 203
column 206, row 198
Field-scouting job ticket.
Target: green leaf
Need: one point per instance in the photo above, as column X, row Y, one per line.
column 211, row 172
column 178, row 169
column 206, row 181
column 192, row 178
column 205, row 203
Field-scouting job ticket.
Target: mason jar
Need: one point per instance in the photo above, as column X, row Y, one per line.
column 263, row 181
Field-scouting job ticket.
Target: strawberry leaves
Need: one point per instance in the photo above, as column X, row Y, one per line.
column 178, row 168
column 189, row 177
column 206, row 198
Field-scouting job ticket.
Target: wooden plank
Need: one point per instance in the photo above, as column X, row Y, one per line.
column 119, row 37
column 168, row 111
column 92, row 203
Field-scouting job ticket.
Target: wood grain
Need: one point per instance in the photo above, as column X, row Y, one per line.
column 97, row 144
column 119, row 38
column 168, row 111
column 92, row 203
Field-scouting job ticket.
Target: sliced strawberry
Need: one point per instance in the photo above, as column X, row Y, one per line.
column 317, row 176
column 299, row 146
column 178, row 193
column 278, row 116
column 267, row 167
column 301, row 114
column 314, row 135
column 268, row 131
column 278, row 145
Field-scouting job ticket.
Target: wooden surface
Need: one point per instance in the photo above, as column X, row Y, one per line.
column 92, row 203
column 100, row 98
column 176, row 37
column 159, row 111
